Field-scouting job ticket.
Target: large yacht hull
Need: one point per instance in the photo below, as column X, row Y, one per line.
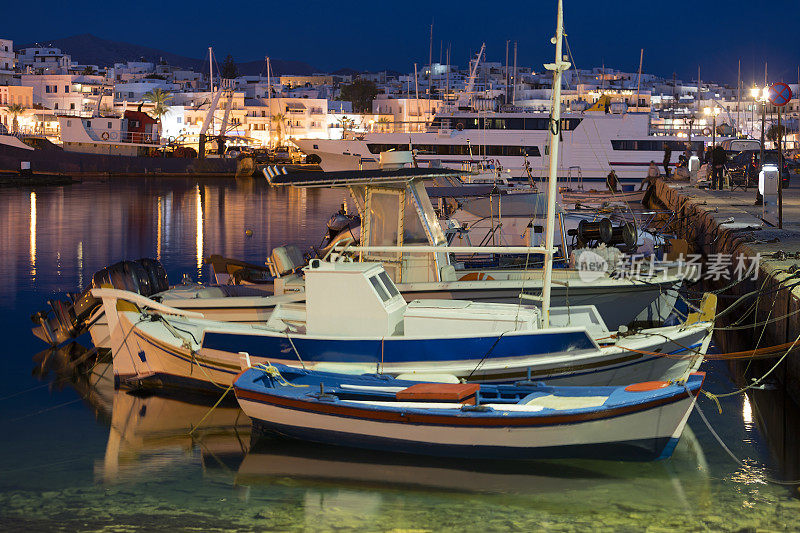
column 55, row 160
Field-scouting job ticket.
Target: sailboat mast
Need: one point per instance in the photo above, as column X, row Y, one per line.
column 211, row 83
column 639, row 78
column 555, row 129
column 269, row 100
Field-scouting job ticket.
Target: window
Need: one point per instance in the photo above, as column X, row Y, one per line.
column 69, row 123
column 179, row 120
column 55, row 106
column 55, row 88
column 461, row 149
column 88, row 123
column 388, row 284
column 47, row 89
column 72, row 105
column 109, row 125
column 66, row 88
column 379, row 288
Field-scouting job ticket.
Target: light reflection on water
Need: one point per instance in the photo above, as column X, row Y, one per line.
column 125, row 459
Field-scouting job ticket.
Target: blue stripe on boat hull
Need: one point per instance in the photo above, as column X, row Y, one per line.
column 633, row 450
column 398, row 350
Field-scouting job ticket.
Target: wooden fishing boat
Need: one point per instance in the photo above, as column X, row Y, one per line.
column 527, row 420
column 354, row 320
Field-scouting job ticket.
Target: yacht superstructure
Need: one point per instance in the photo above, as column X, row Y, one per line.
column 591, row 144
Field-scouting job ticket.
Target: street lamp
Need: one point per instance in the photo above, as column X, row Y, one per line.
column 713, row 112
column 760, row 95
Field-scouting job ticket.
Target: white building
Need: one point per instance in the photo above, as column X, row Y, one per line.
column 41, row 59
column 66, row 92
column 7, row 58
column 134, row 90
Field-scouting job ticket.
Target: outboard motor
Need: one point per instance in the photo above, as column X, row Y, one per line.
column 70, row 317
column 339, row 223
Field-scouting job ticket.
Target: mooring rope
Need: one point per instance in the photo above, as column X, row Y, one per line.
column 730, row 453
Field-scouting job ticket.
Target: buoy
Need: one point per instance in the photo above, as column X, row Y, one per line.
column 248, row 232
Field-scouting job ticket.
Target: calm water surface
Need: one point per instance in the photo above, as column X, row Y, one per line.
column 77, row 455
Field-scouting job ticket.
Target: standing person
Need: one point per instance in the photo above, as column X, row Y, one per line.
column 667, row 158
column 652, row 175
column 612, row 181
column 718, row 158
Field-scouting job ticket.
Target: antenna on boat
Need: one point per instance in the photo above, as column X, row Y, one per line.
column 555, row 125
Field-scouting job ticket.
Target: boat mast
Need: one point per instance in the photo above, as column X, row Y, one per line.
column 269, row 102
column 639, row 78
column 211, row 82
column 555, row 129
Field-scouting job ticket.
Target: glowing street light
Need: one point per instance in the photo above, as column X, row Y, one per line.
column 713, row 112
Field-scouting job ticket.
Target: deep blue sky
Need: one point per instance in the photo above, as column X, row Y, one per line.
column 677, row 35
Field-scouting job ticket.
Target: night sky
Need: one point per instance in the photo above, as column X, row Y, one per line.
column 677, row 36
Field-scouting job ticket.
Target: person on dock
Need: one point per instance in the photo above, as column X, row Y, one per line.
column 718, row 158
column 667, row 158
column 652, row 176
column 612, row 182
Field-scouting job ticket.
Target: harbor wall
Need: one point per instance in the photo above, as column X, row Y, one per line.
column 727, row 222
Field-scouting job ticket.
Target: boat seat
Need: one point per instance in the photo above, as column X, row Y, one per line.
column 562, row 403
column 453, row 392
column 448, row 273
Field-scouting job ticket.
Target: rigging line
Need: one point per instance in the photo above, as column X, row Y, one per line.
column 45, row 410
column 211, row 410
column 295, row 349
column 26, row 390
column 521, row 292
column 759, row 380
column 486, row 355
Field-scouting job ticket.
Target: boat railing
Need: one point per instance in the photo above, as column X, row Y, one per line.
column 445, row 249
column 143, row 301
column 139, row 138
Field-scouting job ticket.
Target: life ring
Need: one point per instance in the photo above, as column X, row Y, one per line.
column 460, row 126
column 476, row 276
column 104, row 135
column 113, row 135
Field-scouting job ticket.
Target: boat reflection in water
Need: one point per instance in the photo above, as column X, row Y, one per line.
column 149, row 433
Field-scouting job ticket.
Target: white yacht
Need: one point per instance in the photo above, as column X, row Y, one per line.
column 592, row 143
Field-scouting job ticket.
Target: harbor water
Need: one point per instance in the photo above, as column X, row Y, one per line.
column 76, row 454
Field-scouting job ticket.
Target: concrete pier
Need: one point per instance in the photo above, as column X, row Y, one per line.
column 728, row 222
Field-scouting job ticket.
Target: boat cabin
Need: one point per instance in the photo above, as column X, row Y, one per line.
column 347, row 299
column 130, row 135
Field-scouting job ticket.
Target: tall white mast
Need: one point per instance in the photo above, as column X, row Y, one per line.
column 269, row 100
column 555, row 129
column 211, row 84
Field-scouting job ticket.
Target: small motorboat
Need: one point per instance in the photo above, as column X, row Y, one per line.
column 354, row 320
column 526, row 420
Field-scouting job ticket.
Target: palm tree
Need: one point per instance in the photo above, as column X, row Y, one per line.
column 160, row 101
column 278, row 119
column 15, row 110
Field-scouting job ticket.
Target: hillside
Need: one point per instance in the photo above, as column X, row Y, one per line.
column 89, row 49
